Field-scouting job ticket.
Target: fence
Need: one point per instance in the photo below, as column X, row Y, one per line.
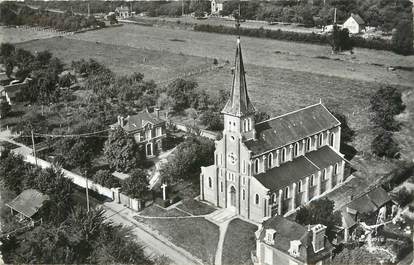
column 113, row 194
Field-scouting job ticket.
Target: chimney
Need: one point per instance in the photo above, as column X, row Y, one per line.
column 157, row 112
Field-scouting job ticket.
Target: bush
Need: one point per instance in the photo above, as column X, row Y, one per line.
column 404, row 170
column 105, row 178
column 384, row 145
column 404, row 196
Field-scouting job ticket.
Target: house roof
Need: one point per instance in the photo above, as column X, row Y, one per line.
column 292, row 127
column 239, row 103
column 279, row 177
column 138, row 121
column 28, row 202
column 122, row 8
column 358, row 19
column 287, row 231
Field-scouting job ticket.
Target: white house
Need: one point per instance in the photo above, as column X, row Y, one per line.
column 355, row 24
column 216, row 6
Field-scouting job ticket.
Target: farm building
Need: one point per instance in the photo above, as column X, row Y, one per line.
column 355, row 24
column 10, row 91
column 122, row 12
column 216, row 6
column 148, row 130
column 274, row 166
column 281, row 241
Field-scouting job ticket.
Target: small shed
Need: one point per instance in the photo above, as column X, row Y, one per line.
column 27, row 204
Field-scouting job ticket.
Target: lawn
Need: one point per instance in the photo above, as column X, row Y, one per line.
column 195, row 207
column 196, row 235
column 239, row 242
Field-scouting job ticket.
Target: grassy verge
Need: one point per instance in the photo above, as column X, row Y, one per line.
column 195, row 207
column 238, row 243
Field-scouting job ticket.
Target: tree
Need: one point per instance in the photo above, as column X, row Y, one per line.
column 12, row 171
column 121, row 151
column 402, row 37
column 384, row 145
column 136, row 185
column 5, row 109
column 212, row 120
column 112, row 19
column 319, row 212
column 340, row 40
column 261, row 116
column 105, row 178
column 6, row 51
column 181, row 91
column 386, row 103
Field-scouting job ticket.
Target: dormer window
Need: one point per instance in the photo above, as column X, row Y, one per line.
column 294, row 248
column 270, row 236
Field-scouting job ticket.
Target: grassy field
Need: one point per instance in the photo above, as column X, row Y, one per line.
column 238, row 243
column 15, row 35
column 153, row 64
column 364, row 64
column 202, row 242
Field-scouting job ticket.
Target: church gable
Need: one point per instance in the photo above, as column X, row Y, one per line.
column 290, row 128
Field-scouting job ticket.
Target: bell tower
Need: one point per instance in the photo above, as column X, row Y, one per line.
column 239, row 111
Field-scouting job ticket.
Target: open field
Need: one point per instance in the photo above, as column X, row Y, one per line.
column 153, row 64
column 364, row 64
column 15, row 35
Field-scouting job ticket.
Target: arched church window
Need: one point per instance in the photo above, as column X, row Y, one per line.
column 324, row 174
column 270, row 160
column 332, row 139
column 257, row 199
column 286, row 192
column 311, row 181
column 296, row 150
column 308, row 144
column 299, row 186
column 336, row 169
column 248, row 125
column 256, row 166
column 209, row 182
column 283, row 157
column 243, row 194
column 320, row 139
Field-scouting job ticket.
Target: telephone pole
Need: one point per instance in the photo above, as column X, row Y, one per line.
column 87, row 193
column 34, row 148
column 89, row 10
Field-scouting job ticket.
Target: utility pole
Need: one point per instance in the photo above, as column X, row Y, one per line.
column 89, row 10
column 335, row 16
column 34, row 149
column 87, row 193
column 182, row 7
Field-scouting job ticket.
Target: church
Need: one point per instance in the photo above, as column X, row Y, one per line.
column 271, row 167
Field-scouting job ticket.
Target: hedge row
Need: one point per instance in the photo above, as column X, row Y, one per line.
column 314, row 38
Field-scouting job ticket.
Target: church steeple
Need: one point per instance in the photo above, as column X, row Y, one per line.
column 239, row 103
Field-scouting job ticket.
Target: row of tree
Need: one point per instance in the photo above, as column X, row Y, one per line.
column 15, row 14
column 68, row 233
column 385, row 104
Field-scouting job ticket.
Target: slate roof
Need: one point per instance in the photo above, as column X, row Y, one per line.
column 239, row 103
column 358, row 19
column 287, row 231
column 292, row 127
column 136, row 122
column 279, row 177
column 28, row 202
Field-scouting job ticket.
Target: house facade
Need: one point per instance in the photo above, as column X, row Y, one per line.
column 122, row 12
column 280, row 241
column 355, row 24
column 148, row 130
column 9, row 92
column 216, row 6
column 274, row 166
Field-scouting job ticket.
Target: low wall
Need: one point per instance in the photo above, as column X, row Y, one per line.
column 205, row 133
column 113, row 194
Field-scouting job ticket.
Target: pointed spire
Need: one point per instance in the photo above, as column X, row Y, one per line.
column 239, row 102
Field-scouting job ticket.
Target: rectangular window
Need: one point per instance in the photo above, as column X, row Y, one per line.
column 159, row 131
column 148, row 134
